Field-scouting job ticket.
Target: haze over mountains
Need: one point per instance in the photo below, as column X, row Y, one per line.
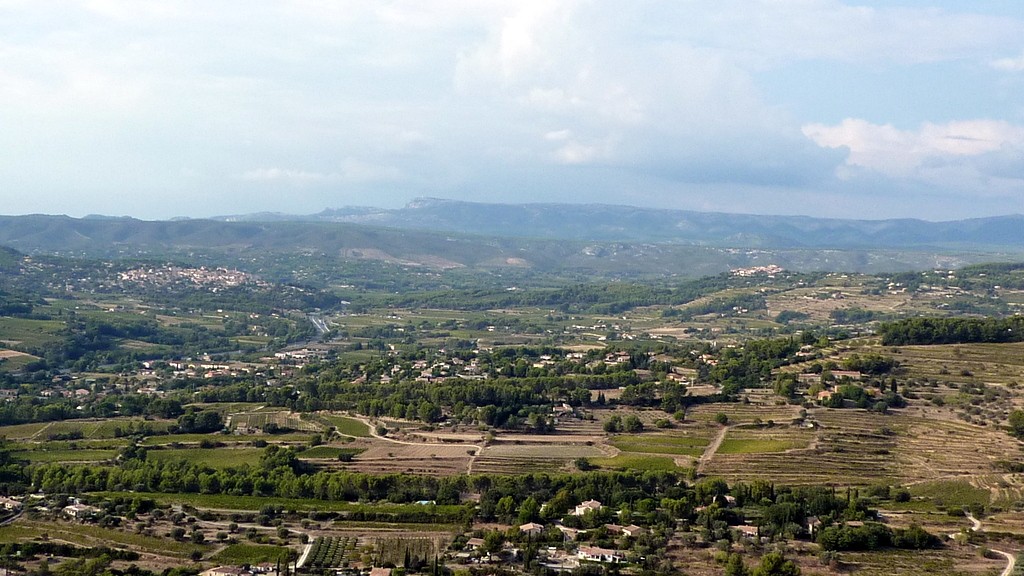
column 601, row 222
column 591, row 238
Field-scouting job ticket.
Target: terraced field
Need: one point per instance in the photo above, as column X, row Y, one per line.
column 67, row 455
column 942, row 448
column 858, row 447
column 347, row 426
column 517, row 458
column 383, row 456
column 22, row 431
column 848, row 451
column 766, row 440
column 990, row 363
column 745, row 413
column 665, row 443
column 282, row 418
column 216, row 457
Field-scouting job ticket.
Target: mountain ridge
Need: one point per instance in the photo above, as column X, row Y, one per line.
column 608, row 222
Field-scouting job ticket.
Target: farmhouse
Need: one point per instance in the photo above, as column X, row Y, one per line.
column 596, row 554
column 851, row 374
column 531, row 529
column 747, row 531
column 632, row 530
column 80, row 511
column 583, row 508
column 569, row 534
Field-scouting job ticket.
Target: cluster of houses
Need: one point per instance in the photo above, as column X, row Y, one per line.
column 584, row 553
column 247, row 570
column 202, row 276
column 769, row 270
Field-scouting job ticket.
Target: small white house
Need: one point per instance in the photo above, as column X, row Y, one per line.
column 596, row 554
column 589, row 505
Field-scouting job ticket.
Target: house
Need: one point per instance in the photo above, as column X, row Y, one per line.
column 80, row 511
column 813, row 525
column 532, row 529
column 596, row 554
column 569, row 534
column 632, row 530
column 851, row 374
column 474, row 543
column 10, row 504
column 809, row 378
column 589, row 505
column 747, row 531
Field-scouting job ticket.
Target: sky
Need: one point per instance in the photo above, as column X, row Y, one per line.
column 166, row 108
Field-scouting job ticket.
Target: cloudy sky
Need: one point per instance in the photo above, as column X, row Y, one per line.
column 162, row 108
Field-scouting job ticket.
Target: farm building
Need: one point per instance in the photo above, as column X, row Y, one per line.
column 596, row 554
column 583, row 508
column 532, row 529
column 80, row 511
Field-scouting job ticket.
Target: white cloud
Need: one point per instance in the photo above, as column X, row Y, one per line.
column 355, row 170
column 282, row 174
column 545, row 97
column 974, row 158
column 352, row 170
column 895, row 152
column 1009, row 64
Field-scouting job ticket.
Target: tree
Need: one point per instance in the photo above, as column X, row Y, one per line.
column 504, row 508
column 775, row 564
column 614, row 424
column 785, row 384
column 734, row 566
column 1017, row 423
column 529, row 511
column 633, row 424
column 492, row 542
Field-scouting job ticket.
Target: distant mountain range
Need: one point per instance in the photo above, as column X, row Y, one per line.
column 607, row 223
column 599, row 240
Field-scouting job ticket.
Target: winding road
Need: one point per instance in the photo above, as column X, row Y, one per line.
column 1011, row 559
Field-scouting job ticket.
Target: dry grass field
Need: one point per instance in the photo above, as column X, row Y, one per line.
column 1001, row 364
column 857, row 447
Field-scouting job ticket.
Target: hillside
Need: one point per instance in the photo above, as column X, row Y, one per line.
column 127, row 237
